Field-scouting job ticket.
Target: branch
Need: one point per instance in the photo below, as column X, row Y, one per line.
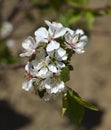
column 13, row 67
column 15, row 10
column 99, row 10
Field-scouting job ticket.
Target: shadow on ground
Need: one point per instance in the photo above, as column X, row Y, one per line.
column 10, row 119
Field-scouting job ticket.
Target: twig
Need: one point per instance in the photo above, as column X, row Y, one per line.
column 99, row 10
column 13, row 67
column 15, row 10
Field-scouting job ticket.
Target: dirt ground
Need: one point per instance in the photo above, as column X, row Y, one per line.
column 91, row 78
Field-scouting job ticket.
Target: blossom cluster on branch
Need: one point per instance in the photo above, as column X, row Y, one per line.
column 49, row 54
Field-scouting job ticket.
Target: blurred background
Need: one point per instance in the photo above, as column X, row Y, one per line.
column 91, row 78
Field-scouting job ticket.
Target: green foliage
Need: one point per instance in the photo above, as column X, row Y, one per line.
column 65, row 74
column 73, row 109
column 70, row 16
column 79, row 2
column 74, row 106
column 89, row 19
column 41, row 93
column 56, row 4
column 80, row 100
column 33, row 2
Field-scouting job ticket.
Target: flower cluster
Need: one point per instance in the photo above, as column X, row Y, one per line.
column 49, row 53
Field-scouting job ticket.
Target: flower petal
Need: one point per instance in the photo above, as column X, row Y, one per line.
column 41, row 35
column 53, row 45
column 27, row 85
column 52, row 68
column 43, row 72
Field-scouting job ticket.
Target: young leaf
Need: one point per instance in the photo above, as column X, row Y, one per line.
column 75, row 111
column 81, row 101
column 89, row 19
column 65, row 75
column 64, row 104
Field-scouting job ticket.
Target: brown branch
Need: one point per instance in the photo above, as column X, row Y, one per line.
column 12, row 67
column 15, row 10
column 99, row 10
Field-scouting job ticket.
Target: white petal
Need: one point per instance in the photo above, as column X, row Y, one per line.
column 84, row 39
column 48, row 22
column 60, row 32
column 41, row 35
column 53, row 68
column 52, row 46
column 70, row 31
column 60, row 65
column 79, row 31
column 47, row 86
column 54, row 90
column 29, row 44
column 27, row 85
column 26, row 54
column 27, row 67
column 68, row 37
column 64, row 57
column 61, row 86
column 42, row 73
column 60, row 52
column 79, row 51
column 75, row 39
column 80, row 45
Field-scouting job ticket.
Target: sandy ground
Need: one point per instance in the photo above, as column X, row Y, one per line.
column 20, row 110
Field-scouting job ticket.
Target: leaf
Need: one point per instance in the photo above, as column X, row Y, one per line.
column 64, row 104
column 75, row 111
column 65, row 75
column 33, row 2
column 90, row 19
column 56, row 4
column 79, row 2
column 75, row 18
column 41, row 93
column 81, row 101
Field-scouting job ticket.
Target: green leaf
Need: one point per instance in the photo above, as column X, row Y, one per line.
column 64, row 104
column 56, row 4
column 81, row 101
column 41, row 93
column 33, row 2
column 65, row 74
column 75, row 18
column 75, row 111
column 79, row 2
column 90, row 19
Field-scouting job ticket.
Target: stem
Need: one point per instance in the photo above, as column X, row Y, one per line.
column 13, row 67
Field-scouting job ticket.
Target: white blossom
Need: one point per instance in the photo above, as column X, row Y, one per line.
column 50, row 57
column 30, row 47
column 76, row 40
column 6, row 29
column 57, row 55
column 54, row 86
column 54, row 31
column 27, row 85
column 10, row 43
column 39, row 68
